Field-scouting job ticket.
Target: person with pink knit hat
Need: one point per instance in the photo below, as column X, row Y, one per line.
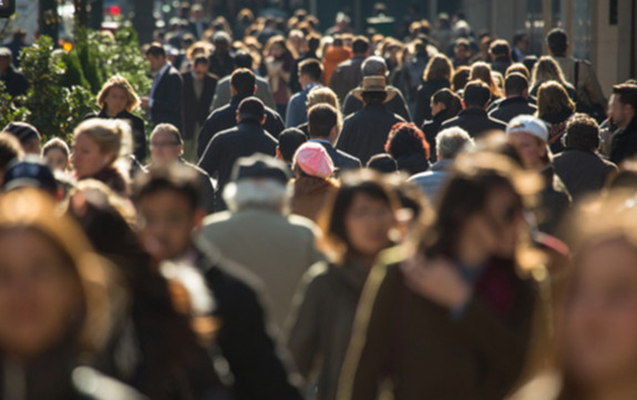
column 313, row 169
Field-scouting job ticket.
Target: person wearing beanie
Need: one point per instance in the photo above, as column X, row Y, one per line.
column 313, row 169
column 27, row 134
column 529, row 136
column 580, row 166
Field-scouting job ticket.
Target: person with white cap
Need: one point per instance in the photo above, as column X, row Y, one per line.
column 313, row 169
column 529, row 136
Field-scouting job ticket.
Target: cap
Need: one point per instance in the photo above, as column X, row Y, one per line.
column 530, row 125
column 32, row 172
column 313, row 160
column 260, row 166
column 252, row 108
column 23, row 131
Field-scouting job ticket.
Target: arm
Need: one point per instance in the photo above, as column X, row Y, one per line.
column 295, row 109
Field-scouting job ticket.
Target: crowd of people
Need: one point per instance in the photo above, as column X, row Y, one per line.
column 326, row 216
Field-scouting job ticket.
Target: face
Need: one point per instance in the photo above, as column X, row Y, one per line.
column 523, row 44
column 618, row 112
column 167, row 221
column 277, row 50
column 600, row 315
column 367, row 223
column 56, row 159
column 461, row 52
column 155, row 62
column 39, row 294
column 530, row 149
column 200, row 70
column 164, row 149
column 116, row 100
column 87, row 157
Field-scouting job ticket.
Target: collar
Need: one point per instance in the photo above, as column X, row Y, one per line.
column 473, row 111
column 322, row 141
column 310, row 86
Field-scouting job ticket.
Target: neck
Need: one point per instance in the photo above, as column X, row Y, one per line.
column 111, row 114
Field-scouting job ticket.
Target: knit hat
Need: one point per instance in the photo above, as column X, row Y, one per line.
column 23, row 131
column 32, row 172
column 530, row 125
column 313, row 160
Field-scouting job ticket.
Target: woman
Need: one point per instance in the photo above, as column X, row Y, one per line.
column 356, row 224
column 460, row 78
column 99, row 145
column 482, row 71
column 57, row 154
column 555, row 108
column 438, row 75
column 117, row 100
column 278, row 65
column 313, row 169
column 452, row 321
column 407, row 144
column 445, row 104
column 57, row 299
column 547, row 69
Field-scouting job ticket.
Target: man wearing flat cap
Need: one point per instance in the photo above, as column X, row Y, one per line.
column 244, row 140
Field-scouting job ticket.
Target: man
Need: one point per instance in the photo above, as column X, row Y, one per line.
column 529, row 137
column 375, row 66
column 313, row 43
column 221, row 61
column 289, row 142
column 169, row 207
column 474, row 118
column 365, row 132
column 622, row 109
column 348, row 74
column 166, row 148
column 199, row 88
column 461, row 53
column 15, row 82
column 310, row 76
column 258, row 233
column 449, row 143
column 244, row 140
column 580, row 166
column 223, row 94
column 323, row 129
column 500, row 53
column 164, row 101
column 578, row 72
column 243, row 86
column 196, row 24
column 521, row 46
column 516, row 89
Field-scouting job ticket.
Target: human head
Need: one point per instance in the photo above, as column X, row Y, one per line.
column 438, row 67
column 516, row 85
column 27, row 134
column 360, row 46
column 251, row 109
column 310, row 71
column 324, row 95
column 243, row 82
column 482, row 71
column 529, row 136
column 290, row 140
column 156, row 56
column 582, row 133
column 552, row 98
column 476, row 94
column 166, row 144
column 243, row 59
column 323, row 122
column 373, row 66
column 383, row 163
column 451, row 141
column 460, row 78
column 547, row 69
column 622, row 104
column 445, row 99
column 98, row 144
column 6, row 58
column 557, row 42
column 405, row 139
column 221, row 40
column 500, row 48
column 32, row 172
column 200, row 66
column 311, row 159
column 57, row 154
column 10, row 151
column 519, row 68
column 118, row 95
column 521, row 41
column 461, row 49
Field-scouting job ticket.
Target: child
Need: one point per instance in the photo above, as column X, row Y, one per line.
column 57, row 154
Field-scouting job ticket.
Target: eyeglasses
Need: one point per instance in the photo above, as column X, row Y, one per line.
column 163, row 144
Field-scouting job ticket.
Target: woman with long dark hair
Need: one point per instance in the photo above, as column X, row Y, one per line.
column 437, row 75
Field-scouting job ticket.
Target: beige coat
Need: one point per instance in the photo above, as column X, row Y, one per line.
column 589, row 91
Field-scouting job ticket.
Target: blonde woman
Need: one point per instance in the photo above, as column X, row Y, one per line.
column 547, row 69
column 482, row 71
column 117, row 100
column 323, row 95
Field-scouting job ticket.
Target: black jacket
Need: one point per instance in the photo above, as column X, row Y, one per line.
column 244, row 140
column 196, row 110
column 509, row 108
column 413, row 163
column 555, row 202
column 346, row 76
column 258, row 370
column 501, row 64
column 431, row 129
column 624, row 144
column 342, row 160
column 226, row 117
column 397, row 105
column 167, row 106
column 15, row 81
column 221, row 64
column 137, row 130
column 475, row 121
column 423, row 100
column 583, row 172
column 364, row 133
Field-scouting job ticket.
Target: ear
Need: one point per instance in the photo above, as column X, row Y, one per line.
column 255, row 90
column 333, row 134
column 278, row 153
column 200, row 214
column 265, row 117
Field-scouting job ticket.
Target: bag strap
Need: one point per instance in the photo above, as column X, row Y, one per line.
column 576, row 78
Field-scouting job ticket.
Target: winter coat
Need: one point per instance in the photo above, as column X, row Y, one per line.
column 310, row 195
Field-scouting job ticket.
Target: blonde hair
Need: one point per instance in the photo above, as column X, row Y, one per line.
column 111, row 135
column 325, row 95
column 482, row 71
column 439, row 67
column 553, row 98
column 547, row 69
column 120, row 82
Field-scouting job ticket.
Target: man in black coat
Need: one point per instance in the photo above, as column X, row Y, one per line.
column 623, row 110
column 256, row 369
column 199, row 89
column 516, row 88
column 323, row 129
column 14, row 80
column 364, row 133
column 244, row 140
column 243, row 86
column 474, row 118
column 164, row 101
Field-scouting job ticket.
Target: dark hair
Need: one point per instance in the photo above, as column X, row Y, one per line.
column 312, row 68
column 201, row 60
column 529, row 62
column 460, row 78
column 313, row 42
column 170, row 128
column 321, row 119
column 451, row 100
column 243, row 81
column 360, row 45
column 290, row 140
column 627, row 94
column 517, row 38
column 406, row 139
column 10, row 149
column 156, row 50
column 557, row 40
column 383, row 163
column 243, row 59
column 518, row 67
column 438, row 67
column 582, row 132
column 500, row 48
column 374, row 97
column 178, row 178
column 476, row 94
column 462, row 42
column 515, row 84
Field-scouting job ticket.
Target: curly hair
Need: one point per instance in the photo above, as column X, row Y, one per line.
column 406, row 139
